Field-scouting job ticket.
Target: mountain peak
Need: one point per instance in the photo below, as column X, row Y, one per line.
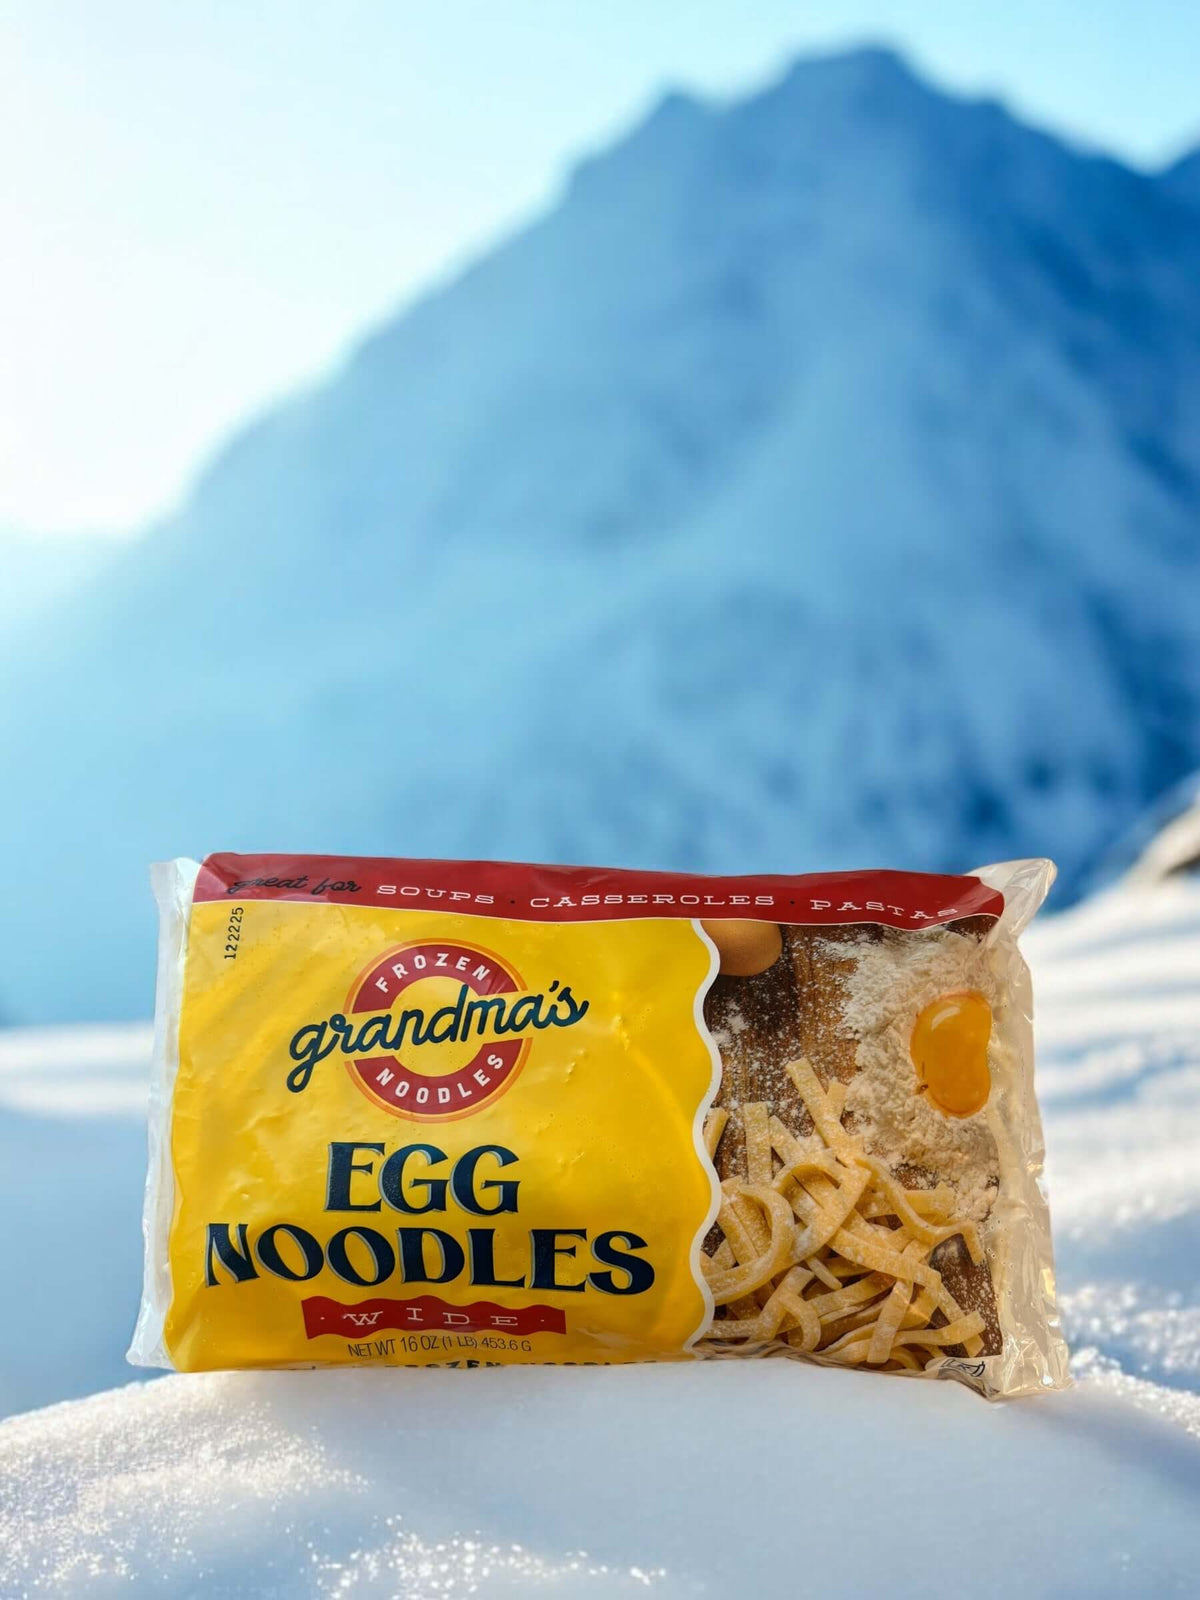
column 865, row 70
column 813, row 102
column 844, row 85
column 868, row 66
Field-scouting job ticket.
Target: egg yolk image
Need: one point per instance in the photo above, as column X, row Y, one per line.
column 949, row 1048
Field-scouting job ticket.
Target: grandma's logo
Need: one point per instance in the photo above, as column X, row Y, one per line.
column 434, row 1030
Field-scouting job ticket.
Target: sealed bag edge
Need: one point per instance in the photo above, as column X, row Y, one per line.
column 1036, row 1357
column 172, row 883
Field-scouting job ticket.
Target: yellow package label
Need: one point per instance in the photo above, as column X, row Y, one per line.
column 417, row 1138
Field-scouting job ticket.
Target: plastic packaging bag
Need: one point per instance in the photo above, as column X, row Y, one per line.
column 446, row 1113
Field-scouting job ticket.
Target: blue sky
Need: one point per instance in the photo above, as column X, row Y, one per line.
column 201, row 205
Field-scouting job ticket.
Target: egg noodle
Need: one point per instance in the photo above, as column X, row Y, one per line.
column 822, row 1248
column 422, row 1113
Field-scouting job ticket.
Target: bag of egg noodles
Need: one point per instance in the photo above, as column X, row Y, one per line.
column 421, row 1113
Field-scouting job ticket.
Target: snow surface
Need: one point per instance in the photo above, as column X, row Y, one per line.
column 72, row 1167
column 768, row 1481
column 755, row 1479
column 1118, row 996
column 815, row 484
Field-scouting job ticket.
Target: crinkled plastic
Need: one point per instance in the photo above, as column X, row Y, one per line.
column 452, row 1113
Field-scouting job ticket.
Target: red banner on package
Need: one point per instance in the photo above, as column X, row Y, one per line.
column 528, row 893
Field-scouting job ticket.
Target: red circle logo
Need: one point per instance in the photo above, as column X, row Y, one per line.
column 445, row 1055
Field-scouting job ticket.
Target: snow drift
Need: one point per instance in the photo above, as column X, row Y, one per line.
column 764, row 1479
column 814, row 485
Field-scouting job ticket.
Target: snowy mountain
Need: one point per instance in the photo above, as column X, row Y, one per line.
column 816, row 484
column 293, row 1484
